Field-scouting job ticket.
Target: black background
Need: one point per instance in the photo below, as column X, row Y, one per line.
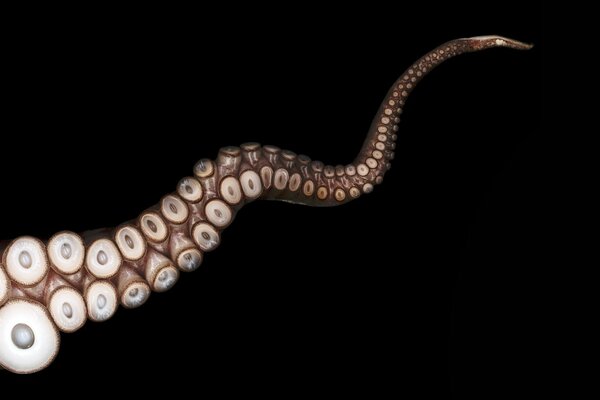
column 421, row 287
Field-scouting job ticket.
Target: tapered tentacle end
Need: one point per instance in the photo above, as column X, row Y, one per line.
column 378, row 149
column 482, row 42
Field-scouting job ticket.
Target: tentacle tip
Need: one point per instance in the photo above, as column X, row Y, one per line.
column 480, row 42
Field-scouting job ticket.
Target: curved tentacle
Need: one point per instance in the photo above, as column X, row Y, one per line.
column 52, row 286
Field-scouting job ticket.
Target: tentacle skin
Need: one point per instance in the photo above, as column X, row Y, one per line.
column 47, row 287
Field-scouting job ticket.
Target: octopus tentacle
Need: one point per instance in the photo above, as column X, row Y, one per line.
column 47, row 287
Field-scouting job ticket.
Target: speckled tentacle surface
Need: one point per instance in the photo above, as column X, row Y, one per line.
column 57, row 285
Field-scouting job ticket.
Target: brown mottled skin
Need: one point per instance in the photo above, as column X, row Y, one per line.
column 175, row 234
